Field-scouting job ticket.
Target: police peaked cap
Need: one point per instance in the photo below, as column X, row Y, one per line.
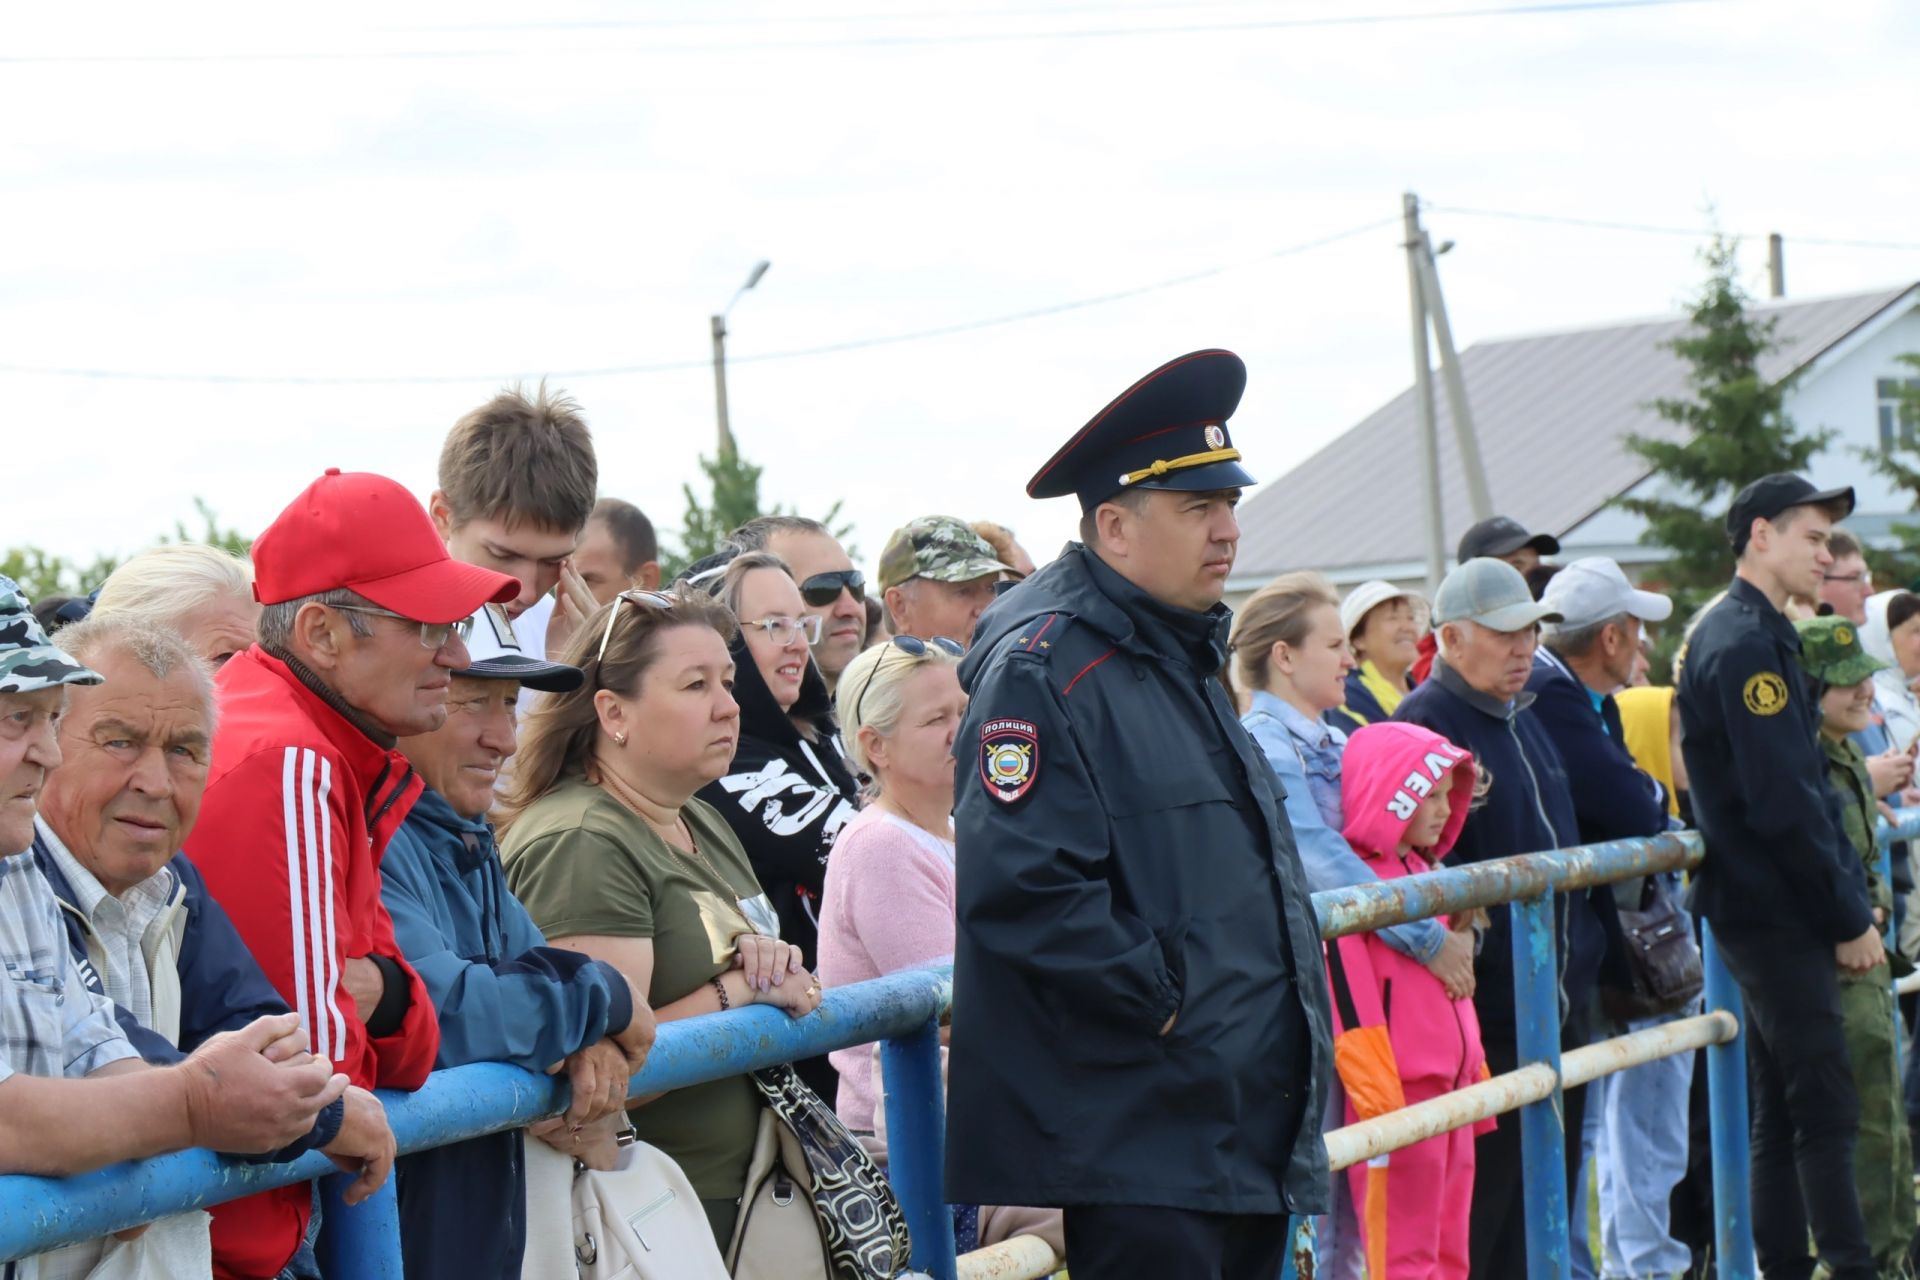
column 1166, row 431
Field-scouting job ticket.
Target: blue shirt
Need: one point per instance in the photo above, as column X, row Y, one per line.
column 1306, row 755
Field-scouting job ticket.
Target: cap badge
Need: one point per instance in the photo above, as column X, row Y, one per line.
column 1843, row 635
column 1765, row 694
column 1009, row 756
column 1216, row 436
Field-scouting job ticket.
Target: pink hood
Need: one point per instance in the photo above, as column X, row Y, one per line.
column 1386, row 771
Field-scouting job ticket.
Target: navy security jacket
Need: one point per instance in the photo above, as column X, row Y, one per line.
column 1124, row 856
column 1777, row 859
column 502, row 995
column 1529, row 809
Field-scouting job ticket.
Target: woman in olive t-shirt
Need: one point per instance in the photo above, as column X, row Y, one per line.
column 612, row 856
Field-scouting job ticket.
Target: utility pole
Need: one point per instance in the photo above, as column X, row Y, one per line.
column 719, row 329
column 1456, row 385
column 1776, row 266
column 1423, row 397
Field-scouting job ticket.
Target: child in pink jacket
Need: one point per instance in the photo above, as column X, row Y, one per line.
column 1399, row 1038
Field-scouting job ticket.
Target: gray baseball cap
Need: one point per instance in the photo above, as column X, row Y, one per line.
column 1594, row 589
column 1491, row 593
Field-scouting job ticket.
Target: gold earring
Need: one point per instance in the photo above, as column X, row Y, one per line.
column 619, row 739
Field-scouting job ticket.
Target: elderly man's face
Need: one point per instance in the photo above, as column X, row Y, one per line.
column 1846, row 585
column 29, row 751
column 136, row 753
column 1497, row 663
column 220, row 628
column 925, row 608
column 461, row 759
column 390, row 676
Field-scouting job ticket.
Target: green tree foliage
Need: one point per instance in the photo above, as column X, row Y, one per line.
column 42, row 574
column 1733, row 429
column 733, row 486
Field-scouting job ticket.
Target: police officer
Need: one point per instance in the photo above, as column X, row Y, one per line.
column 1140, row 1029
column 1783, row 889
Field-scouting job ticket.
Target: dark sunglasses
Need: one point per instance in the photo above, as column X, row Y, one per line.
column 823, row 589
column 913, row 647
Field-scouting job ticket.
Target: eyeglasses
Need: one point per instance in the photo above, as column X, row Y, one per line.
column 1851, row 579
column 823, row 589
column 651, row 599
column 781, row 629
column 914, row 647
column 433, row 635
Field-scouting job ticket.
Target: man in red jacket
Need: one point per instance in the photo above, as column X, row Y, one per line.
column 362, row 628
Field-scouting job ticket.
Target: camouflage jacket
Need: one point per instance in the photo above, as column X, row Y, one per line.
column 1859, row 816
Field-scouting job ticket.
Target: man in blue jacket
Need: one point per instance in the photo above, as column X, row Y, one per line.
column 1488, row 626
column 142, row 928
column 502, row 995
column 1638, row 1117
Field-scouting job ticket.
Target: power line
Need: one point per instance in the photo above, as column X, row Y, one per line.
column 1548, row 7
column 1692, row 233
column 831, row 348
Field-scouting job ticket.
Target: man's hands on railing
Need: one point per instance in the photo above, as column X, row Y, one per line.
column 1861, row 954
column 1453, row 964
column 364, row 1145
column 256, row 1089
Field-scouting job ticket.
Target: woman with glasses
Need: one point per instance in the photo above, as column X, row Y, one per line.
column 789, row 791
column 612, row 855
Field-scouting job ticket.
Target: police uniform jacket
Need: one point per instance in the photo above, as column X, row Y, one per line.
column 1123, row 857
column 1777, row 858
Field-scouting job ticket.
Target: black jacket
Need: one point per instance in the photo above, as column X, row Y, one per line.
column 1124, row 856
column 1529, row 809
column 786, row 798
column 1777, row 858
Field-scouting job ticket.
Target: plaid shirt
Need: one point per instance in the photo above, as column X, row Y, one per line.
column 50, row 1023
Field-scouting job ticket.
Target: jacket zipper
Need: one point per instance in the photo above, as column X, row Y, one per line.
column 1540, row 808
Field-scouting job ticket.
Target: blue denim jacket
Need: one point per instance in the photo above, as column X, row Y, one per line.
column 1306, row 755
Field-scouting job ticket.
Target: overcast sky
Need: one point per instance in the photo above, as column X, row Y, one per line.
column 455, row 194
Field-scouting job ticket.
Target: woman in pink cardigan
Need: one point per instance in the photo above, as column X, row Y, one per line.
column 888, row 904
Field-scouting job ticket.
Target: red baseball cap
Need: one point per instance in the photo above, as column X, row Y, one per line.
column 368, row 534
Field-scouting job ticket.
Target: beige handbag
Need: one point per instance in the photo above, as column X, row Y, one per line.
column 777, row 1236
column 639, row 1220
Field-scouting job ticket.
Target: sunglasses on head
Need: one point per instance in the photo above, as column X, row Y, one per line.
column 824, row 588
column 639, row 599
column 913, row 647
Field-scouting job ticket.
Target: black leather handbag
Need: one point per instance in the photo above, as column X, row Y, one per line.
column 1662, row 970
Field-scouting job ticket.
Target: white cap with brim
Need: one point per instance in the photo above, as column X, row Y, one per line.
column 1364, row 599
column 1491, row 593
column 1594, row 589
column 496, row 655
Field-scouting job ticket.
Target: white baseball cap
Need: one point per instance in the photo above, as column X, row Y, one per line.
column 1364, row 599
column 1594, row 589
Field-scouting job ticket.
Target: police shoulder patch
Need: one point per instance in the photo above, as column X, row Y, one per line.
column 1009, row 758
column 1765, row 694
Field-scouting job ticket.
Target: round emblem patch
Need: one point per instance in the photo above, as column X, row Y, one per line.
column 1765, row 694
column 1843, row 635
column 1009, row 758
column 1216, row 436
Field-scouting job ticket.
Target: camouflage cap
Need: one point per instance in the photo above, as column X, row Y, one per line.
column 28, row 660
column 937, row 547
column 1830, row 650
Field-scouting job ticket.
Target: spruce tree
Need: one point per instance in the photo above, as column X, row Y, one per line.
column 1733, row 430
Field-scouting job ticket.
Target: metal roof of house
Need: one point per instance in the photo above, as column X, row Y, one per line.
column 1551, row 411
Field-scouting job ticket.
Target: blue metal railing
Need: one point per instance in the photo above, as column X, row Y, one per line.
column 903, row 1011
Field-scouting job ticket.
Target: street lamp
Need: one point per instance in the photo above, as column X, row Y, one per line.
column 720, row 354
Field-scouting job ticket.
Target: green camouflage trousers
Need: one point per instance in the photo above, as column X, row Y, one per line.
column 1883, row 1154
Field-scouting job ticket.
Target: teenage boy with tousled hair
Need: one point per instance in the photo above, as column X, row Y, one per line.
column 516, row 485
